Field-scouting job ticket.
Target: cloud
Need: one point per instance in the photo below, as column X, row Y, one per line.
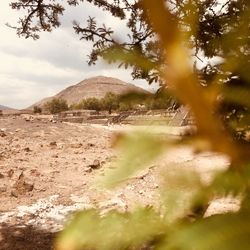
column 31, row 70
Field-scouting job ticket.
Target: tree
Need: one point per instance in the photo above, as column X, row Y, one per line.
column 163, row 35
column 56, row 105
column 91, row 103
column 110, row 102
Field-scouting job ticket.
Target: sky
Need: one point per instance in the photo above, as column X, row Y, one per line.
column 31, row 70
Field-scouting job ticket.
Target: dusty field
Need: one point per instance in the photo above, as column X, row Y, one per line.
column 48, row 170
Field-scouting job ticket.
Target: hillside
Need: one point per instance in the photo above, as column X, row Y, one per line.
column 4, row 107
column 93, row 87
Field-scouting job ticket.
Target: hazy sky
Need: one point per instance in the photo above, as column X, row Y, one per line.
column 31, row 70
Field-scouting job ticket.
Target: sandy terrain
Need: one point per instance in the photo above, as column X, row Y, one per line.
column 48, row 170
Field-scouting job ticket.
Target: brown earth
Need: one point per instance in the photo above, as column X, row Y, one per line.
column 48, row 170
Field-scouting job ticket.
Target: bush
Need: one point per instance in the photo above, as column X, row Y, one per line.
column 37, row 110
column 91, row 103
column 56, row 105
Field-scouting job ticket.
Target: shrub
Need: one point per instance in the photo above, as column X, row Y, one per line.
column 56, row 105
column 91, row 103
column 37, row 110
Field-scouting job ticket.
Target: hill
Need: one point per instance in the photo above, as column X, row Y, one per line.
column 5, row 108
column 93, row 87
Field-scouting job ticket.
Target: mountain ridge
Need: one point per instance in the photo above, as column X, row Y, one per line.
column 2, row 107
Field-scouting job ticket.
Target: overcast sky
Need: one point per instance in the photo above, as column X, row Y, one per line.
column 31, row 70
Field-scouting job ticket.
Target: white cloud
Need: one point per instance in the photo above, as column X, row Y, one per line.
column 31, row 70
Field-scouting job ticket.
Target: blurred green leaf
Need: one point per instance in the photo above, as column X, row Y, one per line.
column 180, row 187
column 219, row 232
column 112, row 231
column 237, row 95
column 128, row 58
column 138, row 150
column 231, row 181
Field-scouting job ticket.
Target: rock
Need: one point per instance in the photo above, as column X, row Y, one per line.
column 22, row 186
column 35, row 172
column 89, row 145
column 27, row 149
column 88, row 169
column 53, row 144
column 14, row 193
column 10, row 173
column 96, row 164
column 76, row 145
column 1, row 176
column 2, row 133
column 3, row 188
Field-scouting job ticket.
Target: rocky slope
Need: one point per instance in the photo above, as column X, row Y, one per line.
column 93, row 87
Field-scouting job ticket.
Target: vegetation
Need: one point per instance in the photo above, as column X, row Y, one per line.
column 163, row 34
column 37, row 110
column 131, row 101
column 88, row 103
column 56, row 105
column 110, row 102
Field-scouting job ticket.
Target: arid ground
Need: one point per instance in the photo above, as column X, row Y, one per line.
column 49, row 169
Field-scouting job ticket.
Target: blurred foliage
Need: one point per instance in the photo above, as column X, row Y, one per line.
column 138, row 150
column 165, row 39
column 113, row 231
column 56, row 105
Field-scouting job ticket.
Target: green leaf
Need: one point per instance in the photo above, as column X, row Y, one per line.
column 113, row 231
column 138, row 150
column 220, row 232
column 179, row 190
column 237, row 95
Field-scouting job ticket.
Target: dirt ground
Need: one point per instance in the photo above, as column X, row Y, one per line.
column 48, row 170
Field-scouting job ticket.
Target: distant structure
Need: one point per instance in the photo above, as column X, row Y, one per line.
column 169, row 117
column 82, row 116
column 182, row 117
